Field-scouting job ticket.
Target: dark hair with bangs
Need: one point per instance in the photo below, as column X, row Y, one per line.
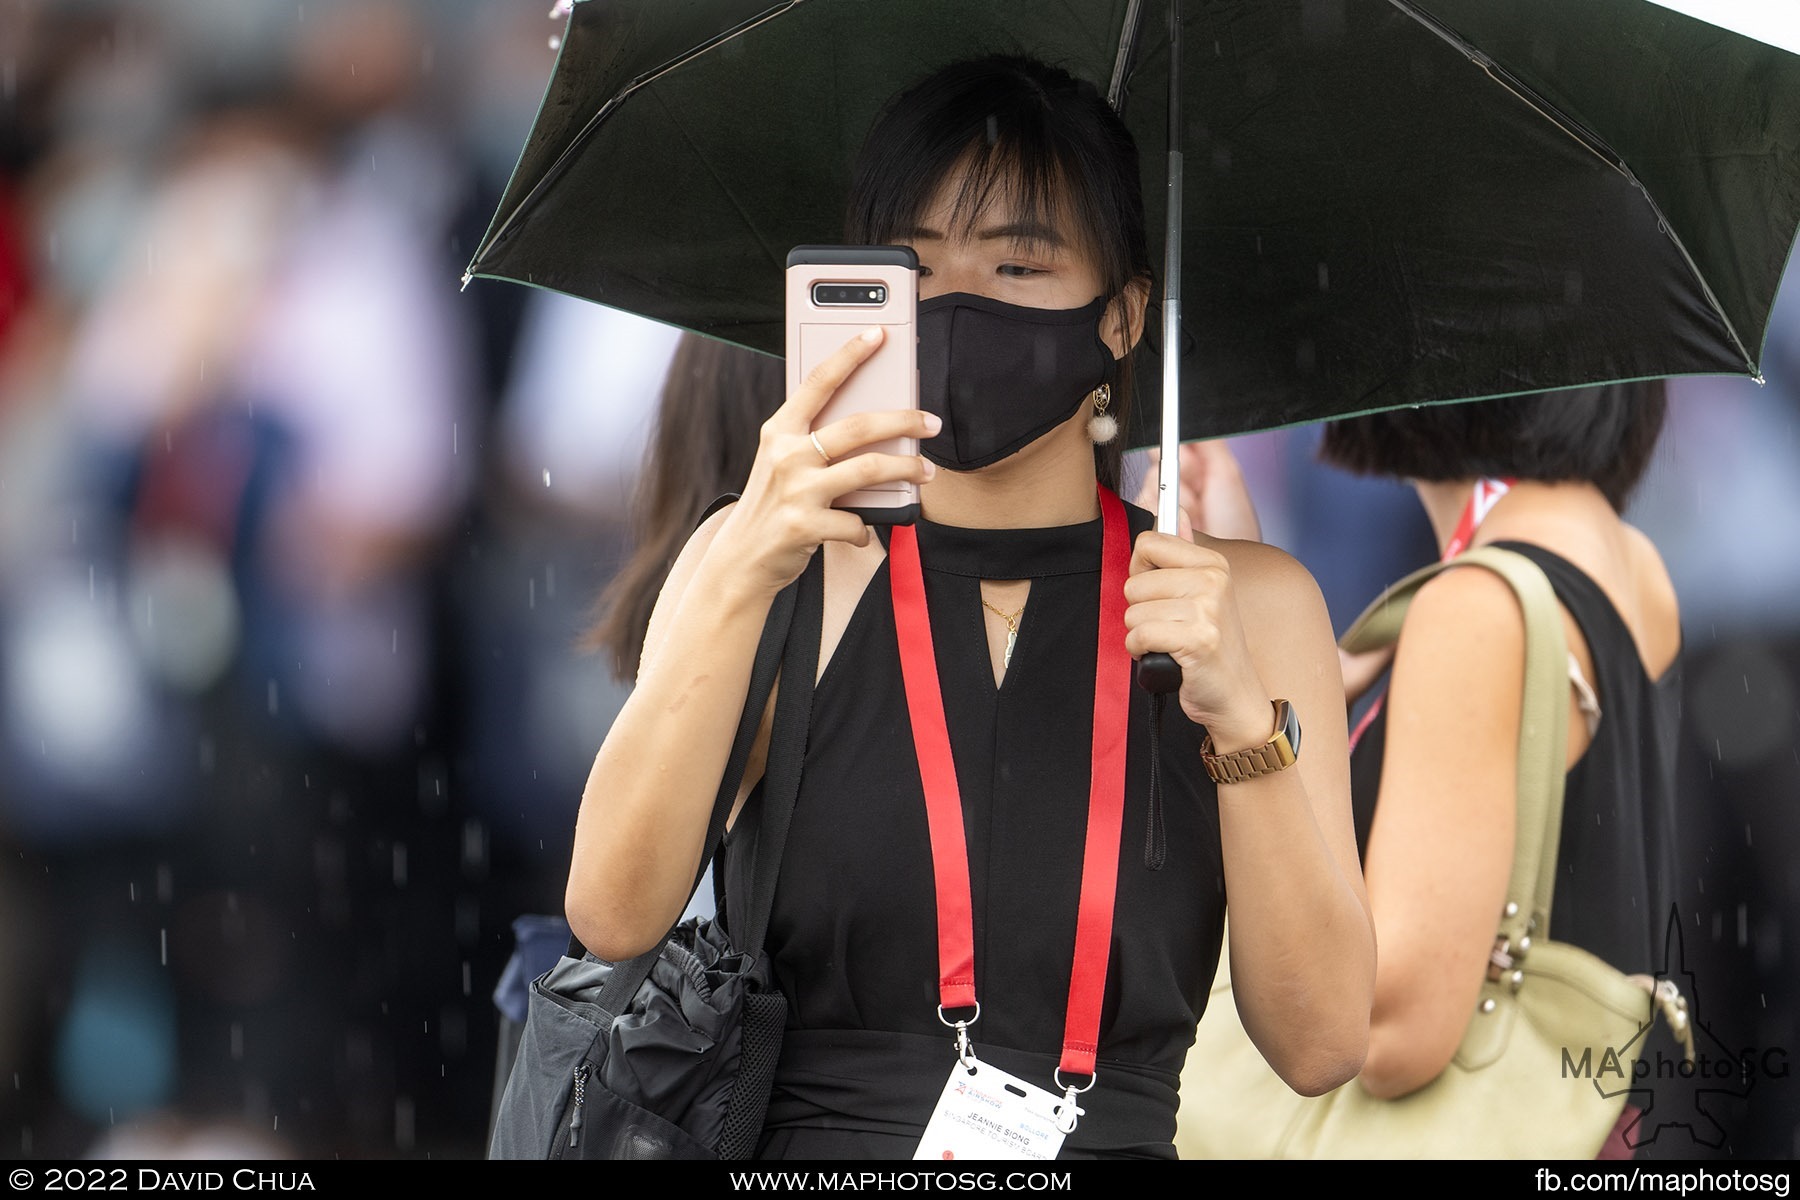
column 1047, row 142
column 1601, row 435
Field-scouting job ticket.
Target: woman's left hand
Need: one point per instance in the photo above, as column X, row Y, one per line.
column 1181, row 602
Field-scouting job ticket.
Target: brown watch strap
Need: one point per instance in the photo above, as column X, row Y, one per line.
column 1274, row 755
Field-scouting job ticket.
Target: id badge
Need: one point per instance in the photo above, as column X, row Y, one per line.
column 986, row 1113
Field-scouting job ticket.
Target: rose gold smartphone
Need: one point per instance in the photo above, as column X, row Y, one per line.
column 834, row 293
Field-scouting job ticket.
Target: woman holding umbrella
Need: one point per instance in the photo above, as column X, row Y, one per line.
column 1077, row 964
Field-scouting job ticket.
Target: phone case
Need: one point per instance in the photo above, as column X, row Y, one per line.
column 820, row 321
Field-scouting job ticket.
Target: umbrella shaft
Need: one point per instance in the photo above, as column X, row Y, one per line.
column 1169, row 475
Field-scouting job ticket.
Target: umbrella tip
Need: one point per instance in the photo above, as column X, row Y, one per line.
column 1760, row 381
column 466, row 276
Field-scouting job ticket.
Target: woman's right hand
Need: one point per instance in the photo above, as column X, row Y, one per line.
column 784, row 513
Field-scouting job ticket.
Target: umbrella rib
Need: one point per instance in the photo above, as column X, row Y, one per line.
column 1590, row 141
column 743, row 213
column 606, row 110
column 1115, row 90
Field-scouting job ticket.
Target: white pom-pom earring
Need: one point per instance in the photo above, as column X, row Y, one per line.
column 1102, row 427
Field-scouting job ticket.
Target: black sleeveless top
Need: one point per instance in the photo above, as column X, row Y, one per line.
column 853, row 934
column 1616, row 862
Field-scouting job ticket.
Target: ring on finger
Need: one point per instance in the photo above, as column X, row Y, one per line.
column 821, row 449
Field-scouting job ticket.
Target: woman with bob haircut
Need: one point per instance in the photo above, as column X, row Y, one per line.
column 1433, row 763
column 1018, row 187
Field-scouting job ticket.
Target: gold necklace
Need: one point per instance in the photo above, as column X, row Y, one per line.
column 1012, row 629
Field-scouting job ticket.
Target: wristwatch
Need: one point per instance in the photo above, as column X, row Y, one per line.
column 1276, row 754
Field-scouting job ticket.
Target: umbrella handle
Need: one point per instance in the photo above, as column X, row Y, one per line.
column 1158, row 672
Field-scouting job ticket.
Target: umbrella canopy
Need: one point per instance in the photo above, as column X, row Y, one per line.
column 1385, row 202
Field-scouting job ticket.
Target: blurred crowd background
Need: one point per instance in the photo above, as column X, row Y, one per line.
column 298, row 536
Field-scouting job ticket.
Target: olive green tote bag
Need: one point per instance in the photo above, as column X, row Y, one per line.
column 1513, row 1089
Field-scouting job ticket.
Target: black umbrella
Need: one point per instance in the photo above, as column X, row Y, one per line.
column 1387, row 202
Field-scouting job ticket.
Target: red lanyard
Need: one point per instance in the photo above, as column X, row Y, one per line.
column 1487, row 493
column 943, row 800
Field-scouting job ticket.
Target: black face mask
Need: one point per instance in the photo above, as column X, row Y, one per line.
column 1001, row 375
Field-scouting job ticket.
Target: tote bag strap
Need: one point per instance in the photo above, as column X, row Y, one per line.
column 1543, row 723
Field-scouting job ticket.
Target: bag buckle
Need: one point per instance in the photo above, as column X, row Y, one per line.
column 1504, row 960
column 1674, row 1007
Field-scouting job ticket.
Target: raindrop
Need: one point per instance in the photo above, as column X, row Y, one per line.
column 165, row 883
column 1747, row 840
column 165, row 946
column 399, row 864
column 555, row 42
column 546, row 476
column 131, row 890
column 1324, row 277
column 274, row 699
column 453, row 447
column 1743, row 926
column 474, row 845
column 237, row 1041
column 394, row 647
column 531, row 593
column 468, row 979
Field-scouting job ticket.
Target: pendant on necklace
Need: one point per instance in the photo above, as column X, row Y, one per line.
column 1012, row 637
